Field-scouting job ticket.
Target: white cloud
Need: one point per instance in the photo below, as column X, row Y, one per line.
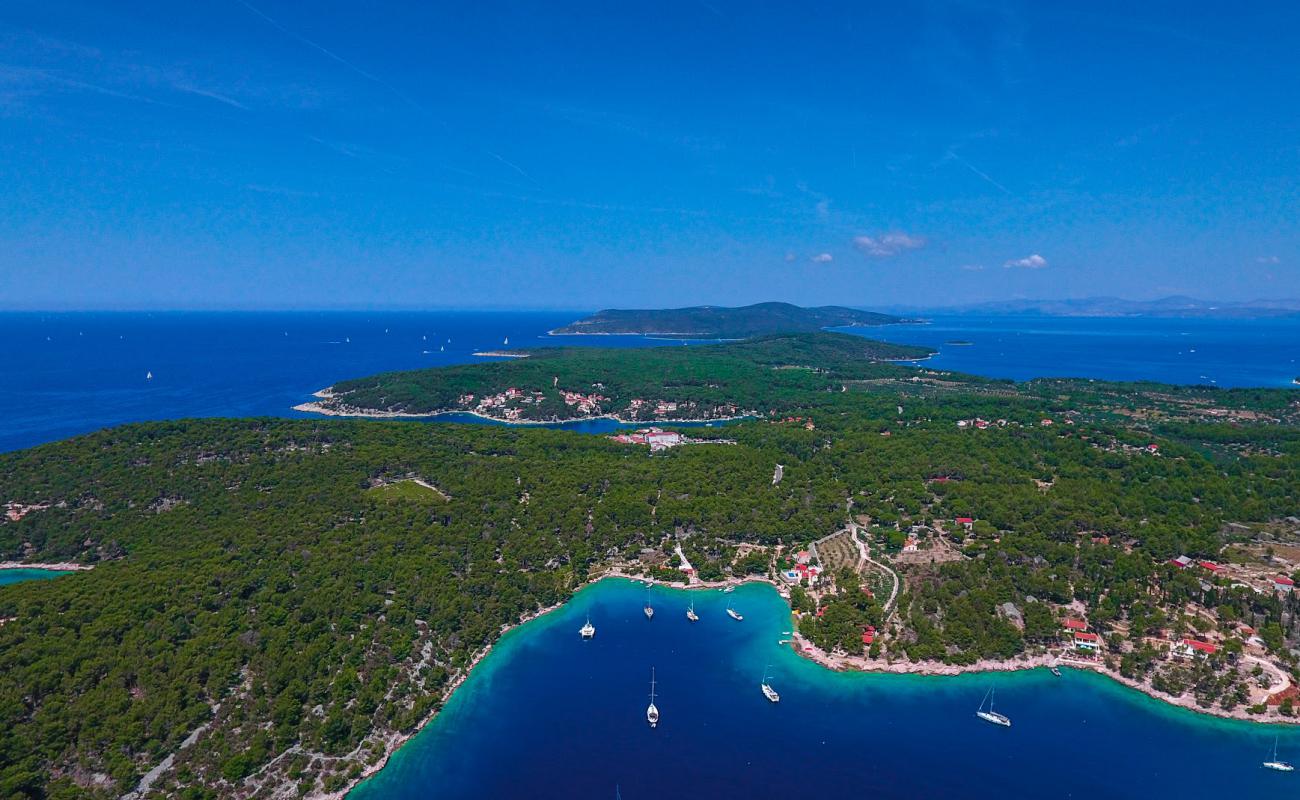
column 1268, row 259
column 1034, row 261
column 822, row 258
column 889, row 244
column 972, row 267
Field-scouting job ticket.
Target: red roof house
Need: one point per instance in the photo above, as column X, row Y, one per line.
column 1075, row 625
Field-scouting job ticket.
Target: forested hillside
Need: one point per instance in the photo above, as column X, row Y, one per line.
column 757, row 375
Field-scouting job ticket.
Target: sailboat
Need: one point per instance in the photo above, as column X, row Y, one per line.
column 652, row 713
column 148, row 376
column 507, row 341
column 649, row 609
column 1280, row 766
column 768, row 691
column 990, row 715
column 690, row 613
column 588, row 630
column 734, row 614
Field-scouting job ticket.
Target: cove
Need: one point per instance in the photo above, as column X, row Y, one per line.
column 8, row 576
column 548, row 715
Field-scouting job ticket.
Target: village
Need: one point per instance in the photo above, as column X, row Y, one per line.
column 514, row 404
column 1195, row 647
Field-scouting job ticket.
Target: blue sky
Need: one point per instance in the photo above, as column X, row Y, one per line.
column 222, row 153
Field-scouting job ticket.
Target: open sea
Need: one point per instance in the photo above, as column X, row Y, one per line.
column 547, row 715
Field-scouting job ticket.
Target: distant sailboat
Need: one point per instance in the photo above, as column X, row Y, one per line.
column 1280, row 766
column 347, row 340
column 442, row 348
column 990, row 715
column 148, row 376
column 690, row 613
column 768, row 691
column 588, row 630
column 651, row 712
column 507, row 341
column 734, row 614
column 649, row 609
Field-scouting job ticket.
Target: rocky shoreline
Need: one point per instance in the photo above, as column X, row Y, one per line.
column 318, row 407
column 58, row 566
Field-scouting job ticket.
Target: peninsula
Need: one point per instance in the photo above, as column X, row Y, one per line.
column 554, row 384
column 720, row 322
column 277, row 604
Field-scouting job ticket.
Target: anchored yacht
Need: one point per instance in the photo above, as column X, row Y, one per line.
column 768, row 691
column 990, row 715
column 588, row 631
column 1280, row 766
column 651, row 712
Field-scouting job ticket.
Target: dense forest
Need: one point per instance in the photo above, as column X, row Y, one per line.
column 754, row 376
column 288, row 590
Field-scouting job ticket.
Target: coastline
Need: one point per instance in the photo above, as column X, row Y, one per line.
column 314, row 407
column 58, row 566
column 805, row 649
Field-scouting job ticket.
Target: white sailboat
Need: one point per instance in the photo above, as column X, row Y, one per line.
column 588, row 630
column 651, row 712
column 649, row 609
column 734, row 614
column 148, row 376
column 1280, row 766
column 768, row 691
column 690, row 613
column 507, row 341
column 990, row 715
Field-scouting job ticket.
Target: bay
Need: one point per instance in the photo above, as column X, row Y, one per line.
column 548, row 715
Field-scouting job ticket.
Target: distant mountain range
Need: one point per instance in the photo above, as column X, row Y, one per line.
column 1176, row 306
column 720, row 322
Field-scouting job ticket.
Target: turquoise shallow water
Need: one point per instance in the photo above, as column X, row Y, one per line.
column 8, row 576
column 549, row 715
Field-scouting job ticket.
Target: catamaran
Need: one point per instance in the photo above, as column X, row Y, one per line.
column 1280, row 766
column 768, row 691
column 652, row 713
column 990, row 715
column 588, row 630
column 733, row 613
column 690, row 613
column 649, row 609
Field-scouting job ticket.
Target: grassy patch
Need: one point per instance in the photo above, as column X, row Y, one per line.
column 408, row 490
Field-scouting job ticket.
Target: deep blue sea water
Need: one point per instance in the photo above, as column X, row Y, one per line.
column 548, row 715
column 1231, row 352
column 71, row 373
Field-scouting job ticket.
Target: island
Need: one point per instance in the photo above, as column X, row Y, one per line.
column 720, row 322
column 277, row 604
